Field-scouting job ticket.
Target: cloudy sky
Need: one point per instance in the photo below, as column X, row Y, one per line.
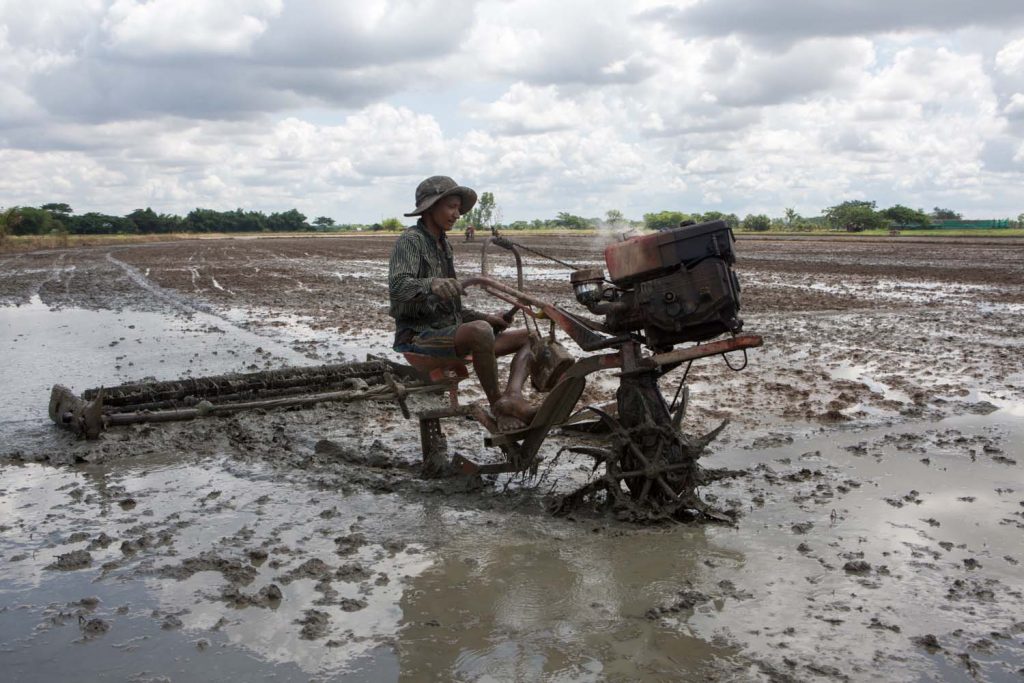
column 339, row 107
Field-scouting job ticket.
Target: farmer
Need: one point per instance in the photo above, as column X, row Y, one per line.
column 427, row 307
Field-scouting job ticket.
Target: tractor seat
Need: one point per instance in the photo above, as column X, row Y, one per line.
column 439, row 369
column 448, row 371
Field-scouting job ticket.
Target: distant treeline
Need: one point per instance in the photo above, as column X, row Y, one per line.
column 59, row 218
column 851, row 216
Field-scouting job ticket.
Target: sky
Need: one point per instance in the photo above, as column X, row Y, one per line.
column 340, row 107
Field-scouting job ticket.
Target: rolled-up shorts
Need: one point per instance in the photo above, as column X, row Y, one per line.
column 438, row 342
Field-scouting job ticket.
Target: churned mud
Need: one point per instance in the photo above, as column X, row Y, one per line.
column 874, row 449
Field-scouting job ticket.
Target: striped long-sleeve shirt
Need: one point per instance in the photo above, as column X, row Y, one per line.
column 416, row 259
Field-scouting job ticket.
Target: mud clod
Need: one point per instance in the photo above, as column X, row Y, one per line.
column 93, row 627
column 687, row 600
column 347, row 545
column 232, row 570
column 77, row 559
column 314, row 624
column 267, row 596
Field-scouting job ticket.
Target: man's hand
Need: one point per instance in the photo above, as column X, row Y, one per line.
column 445, row 288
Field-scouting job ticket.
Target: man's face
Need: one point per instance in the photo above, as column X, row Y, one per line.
column 445, row 212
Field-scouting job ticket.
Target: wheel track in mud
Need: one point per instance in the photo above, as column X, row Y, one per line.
column 186, row 305
column 170, row 297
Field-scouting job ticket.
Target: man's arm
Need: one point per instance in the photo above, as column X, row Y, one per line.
column 495, row 321
column 403, row 284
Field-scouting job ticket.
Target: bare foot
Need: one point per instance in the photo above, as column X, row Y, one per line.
column 514, row 406
column 509, row 423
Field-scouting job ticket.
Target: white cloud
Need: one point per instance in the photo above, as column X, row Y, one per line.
column 809, row 67
column 1010, row 59
column 783, row 22
column 528, row 109
column 186, row 27
column 340, row 108
column 566, row 42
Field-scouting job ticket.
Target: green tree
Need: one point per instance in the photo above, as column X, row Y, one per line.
column 571, row 221
column 8, row 219
column 391, row 224
column 1020, row 220
column 665, row 220
column 58, row 208
column 323, row 222
column 287, row 221
column 854, row 216
column 483, row 214
column 95, row 223
column 149, row 222
column 905, row 217
column 27, row 220
column 756, row 223
column 201, row 220
column 945, row 214
column 613, row 217
column 791, row 217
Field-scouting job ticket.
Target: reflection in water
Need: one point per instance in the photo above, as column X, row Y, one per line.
column 526, row 603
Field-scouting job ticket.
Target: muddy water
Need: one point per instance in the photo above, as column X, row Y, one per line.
column 880, row 496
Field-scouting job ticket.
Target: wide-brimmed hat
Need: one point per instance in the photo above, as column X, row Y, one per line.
column 437, row 187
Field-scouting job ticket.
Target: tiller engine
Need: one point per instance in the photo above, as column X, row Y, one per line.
column 661, row 290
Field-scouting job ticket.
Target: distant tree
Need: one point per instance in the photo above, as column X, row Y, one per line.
column 149, row 222
column 854, row 216
column 483, row 214
column 201, row 220
column 287, row 221
column 58, row 209
column 253, row 221
column 95, row 223
column 665, row 220
column 731, row 219
column 323, row 222
column 571, row 221
column 945, row 214
column 791, row 217
column 613, row 217
column 8, row 220
column 391, row 224
column 1020, row 220
column 27, row 220
column 756, row 223
column 905, row 217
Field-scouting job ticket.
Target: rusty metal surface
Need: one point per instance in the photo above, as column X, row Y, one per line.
column 737, row 343
column 580, row 330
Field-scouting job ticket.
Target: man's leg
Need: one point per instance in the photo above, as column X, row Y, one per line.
column 478, row 338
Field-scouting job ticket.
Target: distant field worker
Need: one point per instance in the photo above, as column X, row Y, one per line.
column 427, row 307
column 470, row 233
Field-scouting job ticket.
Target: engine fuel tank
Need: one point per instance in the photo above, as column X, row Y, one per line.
column 649, row 256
